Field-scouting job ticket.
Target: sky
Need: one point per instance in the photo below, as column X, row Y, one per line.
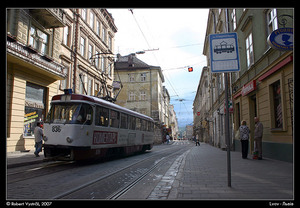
column 172, row 39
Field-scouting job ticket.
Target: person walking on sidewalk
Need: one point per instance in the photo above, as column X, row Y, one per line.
column 258, row 134
column 197, row 140
column 244, row 137
column 38, row 135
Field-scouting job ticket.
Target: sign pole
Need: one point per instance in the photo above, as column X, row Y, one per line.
column 227, row 133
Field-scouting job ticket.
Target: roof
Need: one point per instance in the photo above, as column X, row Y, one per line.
column 131, row 62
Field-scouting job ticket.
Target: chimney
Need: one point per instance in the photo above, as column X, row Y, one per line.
column 130, row 59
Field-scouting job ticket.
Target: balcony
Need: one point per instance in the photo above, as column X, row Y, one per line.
column 49, row 18
column 28, row 57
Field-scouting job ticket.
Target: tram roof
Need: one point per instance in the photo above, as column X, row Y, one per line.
column 96, row 100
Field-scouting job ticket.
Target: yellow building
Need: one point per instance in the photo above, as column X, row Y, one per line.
column 142, row 90
column 47, row 51
column 33, row 71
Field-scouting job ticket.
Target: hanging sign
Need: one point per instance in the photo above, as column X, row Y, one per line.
column 224, row 53
column 282, row 39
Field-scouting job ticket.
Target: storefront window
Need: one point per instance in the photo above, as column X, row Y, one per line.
column 277, row 105
column 34, row 107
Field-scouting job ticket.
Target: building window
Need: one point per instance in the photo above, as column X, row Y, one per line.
column 110, row 43
column 97, row 27
column 104, row 34
column 277, row 111
column 109, row 70
column 92, row 20
column 131, row 77
column 143, row 77
column 233, row 19
column 35, row 107
column 39, row 40
column 249, row 50
column 142, row 95
column 90, row 54
column 131, row 96
column 67, row 36
column 83, row 14
column 103, row 64
column 82, row 46
column 97, row 60
column 64, row 83
column 272, row 20
column 90, row 84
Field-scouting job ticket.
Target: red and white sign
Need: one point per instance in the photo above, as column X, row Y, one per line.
column 198, row 113
column 251, row 86
column 105, row 137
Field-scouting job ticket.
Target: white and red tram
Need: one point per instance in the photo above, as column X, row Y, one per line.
column 80, row 127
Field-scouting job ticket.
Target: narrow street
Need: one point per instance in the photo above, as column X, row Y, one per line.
column 176, row 171
column 101, row 180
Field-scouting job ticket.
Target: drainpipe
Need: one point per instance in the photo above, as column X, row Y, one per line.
column 74, row 51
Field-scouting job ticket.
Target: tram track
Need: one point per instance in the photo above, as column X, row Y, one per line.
column 93, row 189
column 97, row 180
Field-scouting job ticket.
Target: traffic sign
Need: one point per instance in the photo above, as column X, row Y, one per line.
column 224, row 53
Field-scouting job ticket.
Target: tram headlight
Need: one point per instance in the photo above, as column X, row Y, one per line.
column 69, row 140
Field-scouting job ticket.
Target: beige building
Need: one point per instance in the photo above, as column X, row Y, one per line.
column 34, row 71
column 48, row 50
column 143, row 91
column 264, row 85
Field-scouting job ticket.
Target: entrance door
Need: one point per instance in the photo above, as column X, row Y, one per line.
column 252, row 114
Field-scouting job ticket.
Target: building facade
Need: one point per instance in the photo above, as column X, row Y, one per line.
column 143, row 91
column 49, row 50
column 264, row 85
column 34, row 71
column 201, row 107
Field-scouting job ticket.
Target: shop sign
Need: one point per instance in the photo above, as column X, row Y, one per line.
column 34, row 104
column 251, row 86
column 282, row 39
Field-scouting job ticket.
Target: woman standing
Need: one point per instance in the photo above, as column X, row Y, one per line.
column 244, row 137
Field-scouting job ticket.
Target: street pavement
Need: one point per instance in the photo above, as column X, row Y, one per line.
column 201, row 174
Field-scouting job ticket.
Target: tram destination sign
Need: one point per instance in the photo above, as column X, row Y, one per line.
column 224, row 54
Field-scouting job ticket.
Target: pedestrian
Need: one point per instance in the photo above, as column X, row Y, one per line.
column 38, row 135
column 197, row 140
column 244, row 137
column 258, row 134
column 168, row 138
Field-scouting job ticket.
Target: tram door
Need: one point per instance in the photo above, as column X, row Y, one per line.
column 252, row 114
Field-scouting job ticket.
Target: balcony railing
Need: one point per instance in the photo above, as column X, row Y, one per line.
column 30, row 55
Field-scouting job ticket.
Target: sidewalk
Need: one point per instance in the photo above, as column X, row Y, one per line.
column 203, row 175
column 17, row 159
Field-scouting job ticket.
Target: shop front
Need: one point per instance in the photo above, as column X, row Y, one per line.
column 269, row 96
column 31, row 83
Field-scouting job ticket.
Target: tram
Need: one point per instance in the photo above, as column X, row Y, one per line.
column 80, row 127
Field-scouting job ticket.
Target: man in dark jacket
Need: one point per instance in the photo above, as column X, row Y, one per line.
column 258, row 134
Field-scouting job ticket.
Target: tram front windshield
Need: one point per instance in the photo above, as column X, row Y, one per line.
column 70, row 113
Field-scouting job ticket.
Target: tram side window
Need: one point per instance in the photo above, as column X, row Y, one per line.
column 124, row 123
column 131, row 122
column 138, row 124
column 102, row 115
column 144, row 125
column 114, row 119
column 150, row 126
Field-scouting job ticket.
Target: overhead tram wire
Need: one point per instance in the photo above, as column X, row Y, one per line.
column 155, row 56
